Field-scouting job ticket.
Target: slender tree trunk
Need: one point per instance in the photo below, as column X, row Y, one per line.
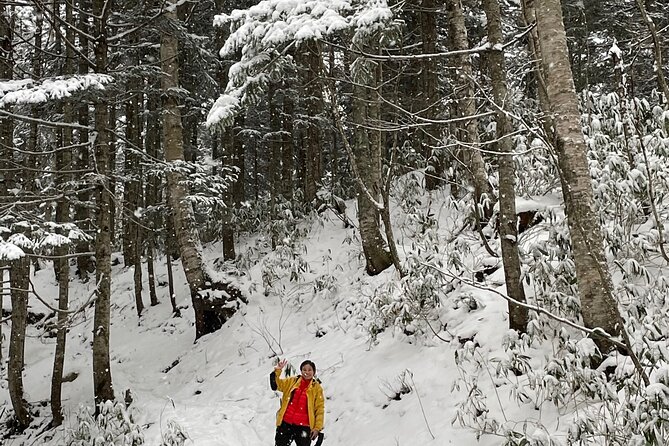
column 598, row 307
column 227, row 143
column 130, row 189
column 239, row 190
column 30, row 161
column 152, row 186
column 518, row 316
column 657, row 53
column 63, row 268
column 132, row 230
column 334, row 169
column 274, row 149
column 20, row 269
column 309, row 56
column 287, row 142
column 226, row 150
column 170, row 247
column 62, row 265
column 102, row 379
column 82, row 212
column 6, row 122
column 471, row 156
column 111, row 142
column 6, row 128
column 431, row 134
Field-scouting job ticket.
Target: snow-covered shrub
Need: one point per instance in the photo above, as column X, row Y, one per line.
column 285, row 230
column 325, row 284
column 539, row 174
column 627, row 147
column 175, row 435
column 485, row 413
column 398, row 388
column 113, row 426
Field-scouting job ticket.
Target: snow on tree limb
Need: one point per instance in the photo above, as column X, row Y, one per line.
column 25, row 91
column 269, row 27
column 9, row 251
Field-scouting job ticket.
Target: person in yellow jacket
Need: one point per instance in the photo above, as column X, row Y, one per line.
column 301, row 415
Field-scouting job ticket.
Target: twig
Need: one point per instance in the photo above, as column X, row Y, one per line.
column 420, row 402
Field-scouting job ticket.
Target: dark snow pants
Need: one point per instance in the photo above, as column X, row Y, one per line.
column 287, row 433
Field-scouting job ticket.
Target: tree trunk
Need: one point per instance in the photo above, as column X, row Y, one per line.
column 508, row 231
column 225, row 142
column 309, row 60
column 62, row 265
column 132, row 230
column 130, row 188
column 82, row 212
column 239, row 190
column 102, row 379
column 430, row 135
column 185, row 228
column 152, row 186
column 6, row 127
column 210, row 313
column 20, row 269
column 598, row 307
column 227, row 230
column 657, row 53
column 30, row 161
column 6, row 122
column 470, row 155
column 287, row 142
column 367, row 151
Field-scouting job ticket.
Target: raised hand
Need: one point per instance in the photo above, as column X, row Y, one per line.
column 282, row 363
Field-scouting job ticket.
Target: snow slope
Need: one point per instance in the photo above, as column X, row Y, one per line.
column 217, row 389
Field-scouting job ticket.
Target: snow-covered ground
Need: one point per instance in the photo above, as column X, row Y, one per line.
column 217, row 389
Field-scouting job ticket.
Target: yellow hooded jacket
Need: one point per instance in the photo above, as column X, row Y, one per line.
column 315, row 399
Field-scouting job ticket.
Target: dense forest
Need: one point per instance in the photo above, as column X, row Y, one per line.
column 150, row 129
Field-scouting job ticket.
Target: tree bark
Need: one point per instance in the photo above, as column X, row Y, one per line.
column 82, row 211
column 287, row 142
column 102, row 379
column 430, row 135
column 598, row 307
column 6, row 122
column 518, row 316
column 131, row 189
column 466, row 107
column 210, row 314
column 367, row 151
column 227, row 230
column 657, row 50
column 184, row 221
column 20, row 269
column 309, row 57
column 62, row 265
column 152, row 186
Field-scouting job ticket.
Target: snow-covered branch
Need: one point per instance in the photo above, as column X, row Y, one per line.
column 27, row 92
column 272, row 25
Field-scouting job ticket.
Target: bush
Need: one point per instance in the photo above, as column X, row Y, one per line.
column 113, row 426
